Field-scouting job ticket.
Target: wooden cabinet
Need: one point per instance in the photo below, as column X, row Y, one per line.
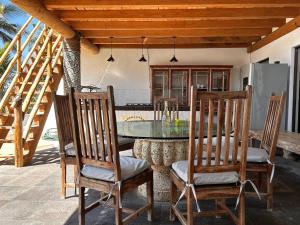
column 179, row 85
column 219, row 80
column 175, row 81
column 200, row 78
column 160, row 82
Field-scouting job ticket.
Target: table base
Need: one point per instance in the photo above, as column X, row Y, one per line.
column 160, row 154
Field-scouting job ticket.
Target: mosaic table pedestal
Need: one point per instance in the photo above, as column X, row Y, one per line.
column 160, row 154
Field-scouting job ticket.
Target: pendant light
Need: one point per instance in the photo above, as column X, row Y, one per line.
column 111, row 58
column 142, row 59
column 174, row 59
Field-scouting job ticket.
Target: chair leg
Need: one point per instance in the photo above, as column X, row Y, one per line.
column 217, row 202
column 189, row 203
column 269, row 194
column 150, row 199
column 242, row 216
column 173, row 195
column 81, row 206
column 63, row 179
column 118, row 210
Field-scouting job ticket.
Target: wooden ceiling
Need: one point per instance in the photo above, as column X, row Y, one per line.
column 194, row 23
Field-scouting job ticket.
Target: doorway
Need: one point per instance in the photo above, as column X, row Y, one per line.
column 296, row 94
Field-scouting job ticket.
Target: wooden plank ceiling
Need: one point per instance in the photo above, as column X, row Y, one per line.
column 194, row 23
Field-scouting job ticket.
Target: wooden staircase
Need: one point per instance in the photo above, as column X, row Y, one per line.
column 27, row 86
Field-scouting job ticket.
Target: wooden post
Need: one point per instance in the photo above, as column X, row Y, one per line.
column 18, row 140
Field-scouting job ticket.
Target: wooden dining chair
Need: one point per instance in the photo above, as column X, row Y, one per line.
column 159, row 106
column 261, row 161
column 66, row 148
column 204, row 175
column 97, row 154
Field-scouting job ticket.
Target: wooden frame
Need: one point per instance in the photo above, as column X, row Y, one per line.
column 65, row 137
column 237, row 105
column 226, row 73
column 93, row 116
column 269, row 143
column 186, row 74
column 189, row 69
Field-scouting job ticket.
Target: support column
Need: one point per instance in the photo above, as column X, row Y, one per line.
column 71, row 63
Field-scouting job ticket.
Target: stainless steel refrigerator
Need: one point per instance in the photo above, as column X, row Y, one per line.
column 265, row 79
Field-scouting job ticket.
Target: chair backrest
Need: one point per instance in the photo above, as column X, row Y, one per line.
column 95, row 130
column 63, row 120
column 272, row 124
column 223, row 105
column 159, row 106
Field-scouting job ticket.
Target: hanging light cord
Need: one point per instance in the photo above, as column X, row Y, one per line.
column 110, row 45
column 142, row 43
column 174, row 44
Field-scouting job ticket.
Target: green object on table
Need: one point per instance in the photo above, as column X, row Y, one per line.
column 178, row 123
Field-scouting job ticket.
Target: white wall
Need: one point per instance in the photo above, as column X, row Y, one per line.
column 133, row 76
column 281, row 50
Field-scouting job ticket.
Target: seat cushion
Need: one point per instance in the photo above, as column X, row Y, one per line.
column 129, row 168
column 181, row 168
column 70, row 150
column 214, row 140
column 253, row 155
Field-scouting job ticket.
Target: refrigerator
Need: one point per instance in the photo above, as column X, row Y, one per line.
column 265, row 80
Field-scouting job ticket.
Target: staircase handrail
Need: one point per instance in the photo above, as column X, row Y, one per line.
column 15, row 39
column 14, row 80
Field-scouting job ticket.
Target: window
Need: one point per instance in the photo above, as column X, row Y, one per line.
column 296, row 94
column 266, row 60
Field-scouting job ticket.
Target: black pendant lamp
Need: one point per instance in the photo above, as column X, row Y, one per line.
column 111, row 58
column 174, row 59
column 142, row 59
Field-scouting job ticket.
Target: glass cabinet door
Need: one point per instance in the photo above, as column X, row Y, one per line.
column 200, row 79
column 219, row 80
column 160, row 83
column 179, row 85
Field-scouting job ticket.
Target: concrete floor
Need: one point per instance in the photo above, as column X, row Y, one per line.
column 31, row 196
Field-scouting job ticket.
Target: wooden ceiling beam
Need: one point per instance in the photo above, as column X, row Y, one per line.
column 132, row 15
column 134, row 25
column 178, row 33
column 179, row 40
column 200, row 45
column 170, row 4
column 37, row 10
column 285, row 29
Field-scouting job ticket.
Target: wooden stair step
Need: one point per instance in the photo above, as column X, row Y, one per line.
column 3, row 141
column 30, row 82
column 5, row 127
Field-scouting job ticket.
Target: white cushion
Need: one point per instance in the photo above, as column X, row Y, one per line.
column 214, row 140
column 253, row 154
column 181, row 168
column 129, row 168
column 127, row 153
column 70, row 150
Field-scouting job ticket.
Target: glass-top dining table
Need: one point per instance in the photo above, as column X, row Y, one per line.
column 160, row 144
